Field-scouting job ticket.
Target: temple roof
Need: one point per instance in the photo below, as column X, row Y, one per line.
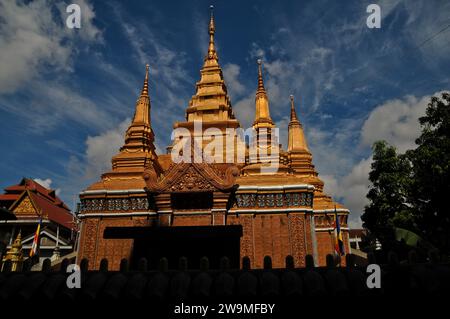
column 13, row 192
column 32, row 201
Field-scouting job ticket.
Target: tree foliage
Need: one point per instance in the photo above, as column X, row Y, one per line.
column 411, row 190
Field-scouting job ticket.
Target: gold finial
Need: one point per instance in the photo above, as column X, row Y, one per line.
column 260, row 78
column 18, row 240
column 14, row 254
column 293, row 113
column 211, row 20
column 145, row 88
column 211, row 49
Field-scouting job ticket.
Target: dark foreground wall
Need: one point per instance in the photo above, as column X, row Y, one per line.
column 222, row 285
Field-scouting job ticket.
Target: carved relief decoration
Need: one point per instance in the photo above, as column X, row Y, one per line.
column 274, row 200
column 25, row 207
column 191, row 177
column 297, row 235
column 115, row 204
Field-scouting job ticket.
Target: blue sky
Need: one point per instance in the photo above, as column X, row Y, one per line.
column 67, row 96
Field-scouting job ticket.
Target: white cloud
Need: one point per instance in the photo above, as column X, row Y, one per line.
column 33, row 39
column 101, row 148
column 44, row 182
column 51, row 104
column 256, row 52
column 47, row 184
column 37, row 52
column 87, row 168
column 352, row 189
column 231, row 76
column 88, row 31
column 283, row 124
column 245, row 110
column 395, row 121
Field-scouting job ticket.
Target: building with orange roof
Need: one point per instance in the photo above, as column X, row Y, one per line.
column 25, row 205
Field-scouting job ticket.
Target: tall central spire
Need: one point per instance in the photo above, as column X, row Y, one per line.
column 211, row 102
column 210, row 105
column 212, row 54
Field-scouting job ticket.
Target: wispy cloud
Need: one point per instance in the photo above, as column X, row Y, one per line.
column 170, row 80
column 231, row 74
column 34, row 40
column 37, row 54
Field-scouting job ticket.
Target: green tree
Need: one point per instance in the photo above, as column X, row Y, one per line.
column 389, row 206
column 430, row 187
column 411, row 190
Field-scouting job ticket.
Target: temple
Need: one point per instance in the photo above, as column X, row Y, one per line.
column 219, row 200
column 23, row 207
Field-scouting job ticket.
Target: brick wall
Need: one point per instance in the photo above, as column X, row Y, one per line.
column 274, row 235
column 94, row 247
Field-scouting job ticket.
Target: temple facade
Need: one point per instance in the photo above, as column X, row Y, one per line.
column 251, row 199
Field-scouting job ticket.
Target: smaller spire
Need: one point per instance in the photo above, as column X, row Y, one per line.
column 262, row 115
column 260, row 78
column 293, row 113
column 14, row 254
column 18, row 240
column 296, row 136
column 145, row 88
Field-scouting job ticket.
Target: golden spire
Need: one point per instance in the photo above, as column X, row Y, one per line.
column 212, row 54
column 261, row 88
column 211, row 101
column 142, row 110
column 293, row 113
column 262, row 114
column 296, row 136
column 139, row 148
column 145, row 87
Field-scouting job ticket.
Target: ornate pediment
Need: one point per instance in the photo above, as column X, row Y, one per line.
column 192, row 177
column 24, row 206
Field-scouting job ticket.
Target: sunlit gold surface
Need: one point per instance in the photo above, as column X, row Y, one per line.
column 14, row 254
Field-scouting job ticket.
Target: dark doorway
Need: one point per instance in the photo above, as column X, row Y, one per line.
column 192, row 242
